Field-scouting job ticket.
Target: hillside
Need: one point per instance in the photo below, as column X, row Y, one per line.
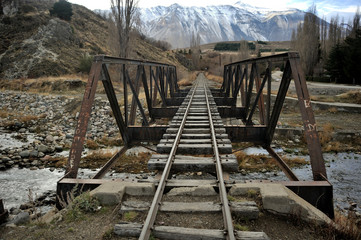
column 35, row 44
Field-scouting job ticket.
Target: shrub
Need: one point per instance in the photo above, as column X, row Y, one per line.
column 85, row 63
column 81, row 205
column 62, row 10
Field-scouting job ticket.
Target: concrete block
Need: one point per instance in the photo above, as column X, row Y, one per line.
column 140, row 189
column 109, row 193
column 278, row 199
column 243, row 189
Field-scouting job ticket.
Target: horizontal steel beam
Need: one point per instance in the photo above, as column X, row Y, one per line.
column 224, row 111
column 255, row 134
column 220, row 101
column 236, row 133
column 272, row 58
column 116, row 60
column 146, row 133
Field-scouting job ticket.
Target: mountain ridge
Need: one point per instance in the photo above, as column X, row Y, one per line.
column 176, row 23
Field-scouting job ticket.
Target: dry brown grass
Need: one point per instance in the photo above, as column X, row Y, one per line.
column 43, row 85
column 4, row 113
column 11, row 117
column 214, row 78
column 129, row 164
column 353, row 96
column 332, row 147
column 58, row 162
column 344, row 227
column 185, row 82
column 28, row 118
column 333, row 110
column 91, row 144
column 259, row 162
column 187, row 78
column 114, row 141
column 326, row 133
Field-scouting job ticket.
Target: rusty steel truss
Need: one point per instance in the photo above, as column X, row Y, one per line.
column 245, row 93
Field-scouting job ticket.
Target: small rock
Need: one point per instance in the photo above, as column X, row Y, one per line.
column 5, row 159
column 51, row 149
column 68, row 136
column 58, row 148
column 21, row 218
column 243, row 172
column 35, row 163
column 24, row 154
column 40, row 154
column 264, row 170
column 22, row 130
column 43, row 148
column 34, row 153
column 46, row 158
column 15, row 211
column 10, row 163
column 199, row 173
column 33, row 168
column 49, row 139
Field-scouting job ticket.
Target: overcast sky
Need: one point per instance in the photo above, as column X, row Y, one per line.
column 324, row 7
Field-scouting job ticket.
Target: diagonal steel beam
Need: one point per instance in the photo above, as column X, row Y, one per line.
column 83, row 120
column 145, row 121
column 113, row 101
column 304, row 102
column 285, row 83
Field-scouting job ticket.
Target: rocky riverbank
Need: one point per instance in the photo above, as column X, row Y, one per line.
column 35, row 128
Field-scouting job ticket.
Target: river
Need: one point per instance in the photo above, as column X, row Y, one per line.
column 343, row 171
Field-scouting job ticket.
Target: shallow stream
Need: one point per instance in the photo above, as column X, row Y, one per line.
column 343, row 171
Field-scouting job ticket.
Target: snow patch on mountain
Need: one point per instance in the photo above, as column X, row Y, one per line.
column 177, row 23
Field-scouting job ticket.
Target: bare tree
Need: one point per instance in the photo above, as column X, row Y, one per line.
column 124, row 13
column 195, row 49
column 356, row 23
column 243, row 51
column 307, row 41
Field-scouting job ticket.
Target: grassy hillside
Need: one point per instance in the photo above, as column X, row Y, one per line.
column 35, row 44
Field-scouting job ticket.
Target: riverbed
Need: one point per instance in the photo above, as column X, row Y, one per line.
column 342, row 168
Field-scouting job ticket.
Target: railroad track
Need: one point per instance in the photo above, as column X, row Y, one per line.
column 195, row 130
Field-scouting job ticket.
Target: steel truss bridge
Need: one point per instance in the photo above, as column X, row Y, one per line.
column 245, row 94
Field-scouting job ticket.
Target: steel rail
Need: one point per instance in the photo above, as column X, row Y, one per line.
column 149, row 222
column 226, row 211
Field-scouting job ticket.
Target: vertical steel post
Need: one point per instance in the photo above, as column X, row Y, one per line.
column 309, row 124
column 83, row 120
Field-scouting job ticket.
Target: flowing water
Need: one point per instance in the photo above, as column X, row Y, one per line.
column 343, row 171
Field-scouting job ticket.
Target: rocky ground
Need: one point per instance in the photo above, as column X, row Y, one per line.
column 35, row 127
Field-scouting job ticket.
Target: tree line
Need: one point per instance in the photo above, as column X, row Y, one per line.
column 329, row 52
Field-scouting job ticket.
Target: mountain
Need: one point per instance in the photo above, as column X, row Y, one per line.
column 176, row 23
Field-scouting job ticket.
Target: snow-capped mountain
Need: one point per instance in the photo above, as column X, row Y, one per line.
column 176, row 23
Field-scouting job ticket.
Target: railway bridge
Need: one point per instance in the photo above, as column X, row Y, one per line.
column 197, row 137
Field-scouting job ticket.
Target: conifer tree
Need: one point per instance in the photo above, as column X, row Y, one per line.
column 62, row 10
